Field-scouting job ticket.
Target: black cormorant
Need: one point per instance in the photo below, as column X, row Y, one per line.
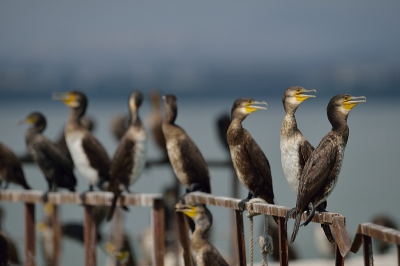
column 130, row 156
column 250, row 163
column 56, row 167
column 322, row 169
column 204, row 252
column 186, row 160
column 88, row 155
column 11, row 168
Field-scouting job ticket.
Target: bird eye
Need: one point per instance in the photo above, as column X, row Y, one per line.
column 298, row 90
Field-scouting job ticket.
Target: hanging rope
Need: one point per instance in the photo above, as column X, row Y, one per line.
column 265, row 241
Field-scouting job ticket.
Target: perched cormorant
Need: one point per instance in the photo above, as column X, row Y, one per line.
column 186, row 160
column 130, row 156
column 204, row 252
column 295, row 149
column 11, row 168
column 88, row 155
column 322, row 169
column 56, row 167
column 250, row 163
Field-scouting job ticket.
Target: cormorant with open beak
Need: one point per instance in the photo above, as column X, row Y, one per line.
column 88, row 155
column 250, row 163
column 295, row 148
column 204, row 252
column 322, row 169
column 11, row 168
column 186, row 160
column 130, row 156
column 56, row 167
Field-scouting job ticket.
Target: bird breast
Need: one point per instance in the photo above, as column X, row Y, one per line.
column 290, row 161
column 81, row 161
column 175, row 156
column 139, row 154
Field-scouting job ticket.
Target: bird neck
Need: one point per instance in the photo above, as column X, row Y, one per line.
column 235, row 132
column 135, row 119
column 199, row 235
column 289, row 123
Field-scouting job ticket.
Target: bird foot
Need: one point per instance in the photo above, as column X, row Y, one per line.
column 242, row 203
column 45, row 197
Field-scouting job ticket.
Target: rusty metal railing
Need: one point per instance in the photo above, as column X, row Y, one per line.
column 30, row 198
column 363, row 237
column 336, row 220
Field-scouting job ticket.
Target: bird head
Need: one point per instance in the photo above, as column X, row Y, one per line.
column 242, row 107
column 294, row 96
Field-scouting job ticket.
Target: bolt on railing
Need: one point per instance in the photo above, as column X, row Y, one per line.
column 30, row 198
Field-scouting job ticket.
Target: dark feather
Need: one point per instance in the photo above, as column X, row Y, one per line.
column 97, row 156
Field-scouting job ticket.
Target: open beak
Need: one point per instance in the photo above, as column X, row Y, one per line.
column 254, row 106
column 353, row 101
column 186, row 209
column 66, row 97
column 302, row 96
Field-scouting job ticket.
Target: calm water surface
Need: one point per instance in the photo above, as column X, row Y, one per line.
column 368, row 183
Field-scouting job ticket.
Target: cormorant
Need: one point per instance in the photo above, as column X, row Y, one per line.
column 186, row 160
column 88, row 155
column 11, row 168
column 4, row 256
column 130, row 156
column 204, row 252
column 56, row 167
column 295, row 149
column 118, row 126
column 322, row 169
column 250, row 163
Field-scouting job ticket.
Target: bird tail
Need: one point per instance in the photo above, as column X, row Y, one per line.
column 113, row 205
column 296, row 227
column 328, row 233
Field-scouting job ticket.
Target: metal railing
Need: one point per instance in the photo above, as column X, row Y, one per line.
column 344, row 245
column 30, row 198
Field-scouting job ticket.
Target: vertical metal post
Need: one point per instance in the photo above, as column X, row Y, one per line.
column 183, row 231
column 30, row 239
column 367, row 251
column 158, row 232
column 339, row 260
column 56, row 236
column 241, row 246
column 398, row 255
column 90, row 238
column 283, row 243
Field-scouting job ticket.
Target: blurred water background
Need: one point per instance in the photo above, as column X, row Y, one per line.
column 368, row 182
column 209, row 54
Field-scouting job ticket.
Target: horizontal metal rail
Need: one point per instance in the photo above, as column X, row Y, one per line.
column 363, row 237
column 336, row 220
column 31, row 197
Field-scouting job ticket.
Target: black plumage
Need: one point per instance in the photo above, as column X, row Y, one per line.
column 185, row 157
column 56, row 167
column 204, row 252
column 249, row 161
column 322, row 169
column 89, row 156
column 130, row 156
column 11, row 168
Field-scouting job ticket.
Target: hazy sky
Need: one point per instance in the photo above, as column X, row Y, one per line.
column 186, row 37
